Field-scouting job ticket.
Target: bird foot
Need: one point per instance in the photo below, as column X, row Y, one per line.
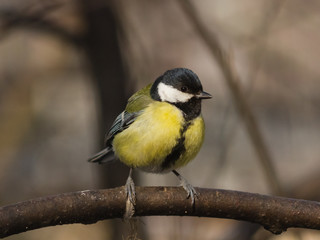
column 191, row 192
column 131, row 198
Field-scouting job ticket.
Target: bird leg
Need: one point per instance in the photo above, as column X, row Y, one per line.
column 131, row 196
column 187, row 186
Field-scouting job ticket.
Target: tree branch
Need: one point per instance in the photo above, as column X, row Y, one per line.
column 275, row 214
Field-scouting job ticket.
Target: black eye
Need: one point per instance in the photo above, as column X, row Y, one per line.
column 184, row 89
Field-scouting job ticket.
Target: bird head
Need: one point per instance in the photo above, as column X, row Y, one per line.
column 179, row 85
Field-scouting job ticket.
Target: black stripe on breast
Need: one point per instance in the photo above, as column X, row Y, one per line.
column 177, row 150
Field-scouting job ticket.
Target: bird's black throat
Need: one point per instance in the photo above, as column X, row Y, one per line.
column 190, row 109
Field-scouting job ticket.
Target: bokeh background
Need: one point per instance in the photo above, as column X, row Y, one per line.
column 67, row 68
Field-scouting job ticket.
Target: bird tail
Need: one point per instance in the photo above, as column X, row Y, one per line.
column 104, row 156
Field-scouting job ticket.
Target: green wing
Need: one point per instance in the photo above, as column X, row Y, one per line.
column 136, row 103
column 140, row 100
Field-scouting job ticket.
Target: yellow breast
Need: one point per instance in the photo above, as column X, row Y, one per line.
column 153, row 135
column 194, row 137
column 150, row 138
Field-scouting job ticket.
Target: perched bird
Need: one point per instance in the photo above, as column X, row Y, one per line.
column 161, row 128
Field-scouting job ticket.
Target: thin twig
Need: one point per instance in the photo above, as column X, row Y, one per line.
column 239, row 99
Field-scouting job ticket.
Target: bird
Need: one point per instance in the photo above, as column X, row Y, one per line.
column 160, row 130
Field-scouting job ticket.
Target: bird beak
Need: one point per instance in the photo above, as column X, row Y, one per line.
column 203, row 95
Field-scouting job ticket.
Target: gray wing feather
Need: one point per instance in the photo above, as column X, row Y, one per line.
column 104, row 156
column 122, row 122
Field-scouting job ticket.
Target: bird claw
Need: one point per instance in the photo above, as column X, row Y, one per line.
column 131, row 198
column 130, row 190
column 191, row 192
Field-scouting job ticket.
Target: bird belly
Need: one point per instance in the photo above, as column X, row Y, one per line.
column 150, row 138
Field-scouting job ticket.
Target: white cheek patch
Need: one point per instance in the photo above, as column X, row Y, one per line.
column 170, row 94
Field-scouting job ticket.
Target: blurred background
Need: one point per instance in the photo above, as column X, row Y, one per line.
column 68, row 67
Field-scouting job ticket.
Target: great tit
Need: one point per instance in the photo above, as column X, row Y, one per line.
column 160, row 130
